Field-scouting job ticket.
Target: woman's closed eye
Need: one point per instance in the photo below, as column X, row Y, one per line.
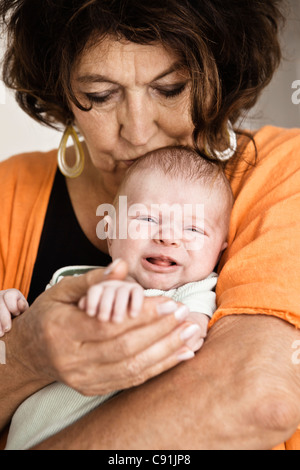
column 168, row 92
column 101, row 98
column 171, row 91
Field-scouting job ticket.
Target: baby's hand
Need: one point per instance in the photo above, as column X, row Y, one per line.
column 201, row 320
column 12, row 303
column 112, row 300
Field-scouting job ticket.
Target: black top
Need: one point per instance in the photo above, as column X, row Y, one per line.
column 63, row 242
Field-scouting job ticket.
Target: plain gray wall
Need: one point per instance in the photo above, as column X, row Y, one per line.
column 19, row 133
column 275, row 105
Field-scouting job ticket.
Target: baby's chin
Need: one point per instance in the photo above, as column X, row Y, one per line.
column 158, row 282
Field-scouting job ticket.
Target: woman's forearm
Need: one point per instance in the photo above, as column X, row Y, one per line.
column 17, row 380
column 242, row 391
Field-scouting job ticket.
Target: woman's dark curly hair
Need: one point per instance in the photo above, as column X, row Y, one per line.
column 230, row 47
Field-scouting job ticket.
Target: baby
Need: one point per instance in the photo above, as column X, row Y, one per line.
column 169, row 223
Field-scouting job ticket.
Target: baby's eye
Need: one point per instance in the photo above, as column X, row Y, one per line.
column 195, row 230
column 146, row 218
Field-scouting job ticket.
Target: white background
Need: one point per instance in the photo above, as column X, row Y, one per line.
column 19, row 133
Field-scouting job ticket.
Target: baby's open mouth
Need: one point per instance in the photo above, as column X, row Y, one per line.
column 160, row 264
column 161, row 261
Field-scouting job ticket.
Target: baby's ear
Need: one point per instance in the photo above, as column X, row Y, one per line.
column 223, row 248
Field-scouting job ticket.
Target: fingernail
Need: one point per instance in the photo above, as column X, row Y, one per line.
column 23, row 304
column 189, row 332
column 103, row 318
column 117, row 320
column 91, row 313
column 186, row 356
column 182, row 312
column 111, row 267
column 81, row 303
column 134, row 314
column 166, row 307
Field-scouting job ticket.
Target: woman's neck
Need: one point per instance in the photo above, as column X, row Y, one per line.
column 91, row 189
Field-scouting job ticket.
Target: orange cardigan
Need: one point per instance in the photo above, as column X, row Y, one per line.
column 259, row 272
column 25, row 186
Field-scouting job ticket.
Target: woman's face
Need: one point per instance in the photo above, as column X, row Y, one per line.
column 140, row 98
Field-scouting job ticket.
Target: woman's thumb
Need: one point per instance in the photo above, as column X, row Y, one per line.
column 117, row 268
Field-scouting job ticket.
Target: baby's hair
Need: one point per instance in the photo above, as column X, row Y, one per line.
column 184, row 163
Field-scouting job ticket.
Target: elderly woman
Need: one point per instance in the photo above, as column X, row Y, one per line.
column 132, row 77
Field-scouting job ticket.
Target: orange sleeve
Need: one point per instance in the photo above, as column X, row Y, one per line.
column 260, row 271
column 25, row 187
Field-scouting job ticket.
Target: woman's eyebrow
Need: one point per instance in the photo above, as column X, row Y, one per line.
column 98, row 78
column 174, row 68
column 93, row 78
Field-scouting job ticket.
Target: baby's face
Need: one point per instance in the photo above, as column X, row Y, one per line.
column 172, row 232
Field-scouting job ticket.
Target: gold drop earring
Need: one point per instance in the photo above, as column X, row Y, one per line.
column 77, row 168
column 228, row 153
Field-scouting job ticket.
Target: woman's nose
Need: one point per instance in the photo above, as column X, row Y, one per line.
column 137, row 119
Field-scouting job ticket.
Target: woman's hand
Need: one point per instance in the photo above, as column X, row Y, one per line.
column 59, row 343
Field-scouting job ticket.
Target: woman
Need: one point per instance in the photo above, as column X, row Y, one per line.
column 133, row 78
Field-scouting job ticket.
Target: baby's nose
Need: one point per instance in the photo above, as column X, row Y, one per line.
column 168, row 241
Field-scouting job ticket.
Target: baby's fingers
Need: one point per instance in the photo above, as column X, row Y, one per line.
column 136, row 301
column 15, row 302
column 90, row 302
column 122, row 301
column 5, row 318
column 129, row 299
column 106, row 303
